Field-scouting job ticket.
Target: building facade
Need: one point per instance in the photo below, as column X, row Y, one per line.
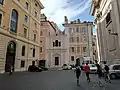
column 19, row 33
column 107, row 20
column 53, row 45
column 79, row 36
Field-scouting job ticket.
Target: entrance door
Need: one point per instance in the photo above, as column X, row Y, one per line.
column 10, row 56
column 56, row 61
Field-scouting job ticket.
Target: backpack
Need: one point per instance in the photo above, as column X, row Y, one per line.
column 78, row 70
column 106, row 68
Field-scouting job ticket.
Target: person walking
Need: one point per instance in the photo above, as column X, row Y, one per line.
column 100, row 74
column 87, row 71
column 78, row 73
column 11, row 70
column 106, row 73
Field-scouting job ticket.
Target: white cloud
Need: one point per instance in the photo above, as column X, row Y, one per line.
column 55, row 10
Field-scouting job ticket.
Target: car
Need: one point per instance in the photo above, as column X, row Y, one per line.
column 33, row 68
column 43, row 68
column 93, row 68
column 66, row 67
column 114, row 71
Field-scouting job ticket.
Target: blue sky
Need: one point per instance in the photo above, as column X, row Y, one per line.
column 55, row 10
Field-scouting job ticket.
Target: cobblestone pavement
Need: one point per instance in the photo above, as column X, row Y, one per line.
column 52, row 80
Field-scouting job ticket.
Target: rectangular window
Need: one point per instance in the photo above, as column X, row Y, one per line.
column 27, row 5
column 73, row 49
column 78, row 49
column 22, row 64
column 34, row 37
column 25, row 32
column 1, row 2
column 84, row 49
column 0, row 19
column 72, row 58
column 40, row 49
column 71, row 39
column 35, row 25
column 77, row 39
column 26, row 18
column 33, row 52
column 35, row 14
column 77, row 29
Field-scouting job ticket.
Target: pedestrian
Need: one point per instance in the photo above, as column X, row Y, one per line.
column 100, row 74
column 78, row 73
column 11, row 70
column 106, row 73
column 87, row 71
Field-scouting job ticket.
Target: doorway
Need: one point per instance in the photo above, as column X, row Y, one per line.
column 10, row 56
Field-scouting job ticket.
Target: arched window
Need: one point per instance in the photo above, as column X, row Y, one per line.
column 14, row 21
column 23, row 50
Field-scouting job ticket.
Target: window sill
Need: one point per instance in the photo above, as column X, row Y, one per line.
column 13, row 33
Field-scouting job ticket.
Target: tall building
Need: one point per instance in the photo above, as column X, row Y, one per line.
column 79, row 36
column 107, row 20
column 95, row 49
column 53, row 52
column 19, row 33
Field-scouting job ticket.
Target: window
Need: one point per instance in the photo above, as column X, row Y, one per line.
column 35, row 25
column 26, row 18
column 35, row 14
column 59, row 44
column 77, row 39
column 0, row 19
column 22, row 64
column 14, row 21
column 27, row 5
column 56, row 43
column 108, row 18
column 23, row 50
column 1, row 2
column 56, row 60
column 34, row 37
column 25, row 32
column 72, row 58
column 36, row 4
column 72, row 49
column 33, row 52
column 78, row 49
column 40, row 49
column 116, row 67
column 41, row 33
column 71, row 39
column 77, row 29
column 84, row 49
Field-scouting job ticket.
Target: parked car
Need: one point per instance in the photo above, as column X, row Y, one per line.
column 66, row 67
column 43, row 68
column 114, row 71
column 93, row 68
column 33, row 68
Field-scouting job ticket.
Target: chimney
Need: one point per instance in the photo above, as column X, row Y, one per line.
column 66, row 19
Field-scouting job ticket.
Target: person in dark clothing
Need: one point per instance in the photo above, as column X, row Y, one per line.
column 99, row 72
column 78, row 73
column 106, row 73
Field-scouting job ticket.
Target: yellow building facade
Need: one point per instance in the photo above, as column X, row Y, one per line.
column 19, row 33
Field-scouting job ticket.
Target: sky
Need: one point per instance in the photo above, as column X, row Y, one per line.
column 55, row 10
